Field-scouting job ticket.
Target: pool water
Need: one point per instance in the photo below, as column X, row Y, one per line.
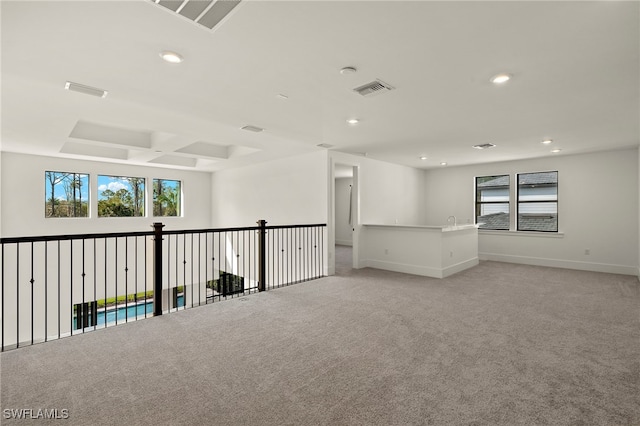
column 123, row 313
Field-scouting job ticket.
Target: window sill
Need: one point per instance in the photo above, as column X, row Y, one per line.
column 521, row 233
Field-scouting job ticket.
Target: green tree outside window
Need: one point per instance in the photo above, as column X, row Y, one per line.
column 66, row 194
column 120, row 196
column 166, row 197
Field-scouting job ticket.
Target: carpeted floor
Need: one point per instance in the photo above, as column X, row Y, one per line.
column 498, row 344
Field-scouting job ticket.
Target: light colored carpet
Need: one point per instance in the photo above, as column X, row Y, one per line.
column 498, row 344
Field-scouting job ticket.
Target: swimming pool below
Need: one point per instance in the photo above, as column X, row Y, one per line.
column 122, row 313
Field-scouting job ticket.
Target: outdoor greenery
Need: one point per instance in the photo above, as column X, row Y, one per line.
column 71, row 204
column 122, row 299
column 110, row 301
column 166, row 197
column 66, row 195
column 123, row 200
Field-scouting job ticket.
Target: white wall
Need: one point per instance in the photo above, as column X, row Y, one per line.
column 389, row 193
column 1, row 233
column 287, row 191
column 384, row 194
column 597, row 210
column 344, row 229
column 23, row 197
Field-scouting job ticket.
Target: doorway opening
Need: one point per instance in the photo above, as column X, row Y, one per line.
column 346, row 217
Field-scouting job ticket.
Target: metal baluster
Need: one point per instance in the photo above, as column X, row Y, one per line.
column 116, row 275
column 94, row 317
column 104, row 312
column 135, row 278
column 126, row 280
column 71, row 282
column 17, row 295
column 46, row 297
column 3, row 298
column 83, row 285
column 32, row 281
column 146, row 288
column 184, row 271
column 59, row 300
column 170, row 293
column 200, row 270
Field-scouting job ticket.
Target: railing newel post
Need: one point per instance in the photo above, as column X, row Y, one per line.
column 262, row 255
column 157, row 268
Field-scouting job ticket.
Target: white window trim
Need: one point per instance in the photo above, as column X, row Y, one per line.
column 514, row 233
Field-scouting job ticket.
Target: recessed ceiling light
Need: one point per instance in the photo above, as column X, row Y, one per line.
column 556, row 150
column 171, row 57
column 353, row 121
column 546, row 141
column 348, row 70
column 444, row 163
column 423, row 157
column 500, row 78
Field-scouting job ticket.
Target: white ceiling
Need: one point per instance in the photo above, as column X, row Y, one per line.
column 575, row 69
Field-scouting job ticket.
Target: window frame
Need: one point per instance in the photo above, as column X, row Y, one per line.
column 479, row 204
column 518, row 202
column 120, row 177
column 88, row 199
column 153, row 197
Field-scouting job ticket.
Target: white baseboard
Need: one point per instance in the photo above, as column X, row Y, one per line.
column 401, row 267
column 344, row 243
column 459, row 267
column 425, row 271
column 562, row 263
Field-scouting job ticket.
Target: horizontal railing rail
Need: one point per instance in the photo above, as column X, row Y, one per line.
column 49, row 238
column 62, row 285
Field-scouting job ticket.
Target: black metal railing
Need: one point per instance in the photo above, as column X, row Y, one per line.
column 57, row 286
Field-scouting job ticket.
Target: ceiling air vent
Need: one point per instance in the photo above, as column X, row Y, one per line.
column 252, row 128
column 373, row 88
column 207, row 13
column 484, row 146
column 87, row 90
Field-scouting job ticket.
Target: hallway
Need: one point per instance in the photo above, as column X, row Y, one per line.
column 344, row 260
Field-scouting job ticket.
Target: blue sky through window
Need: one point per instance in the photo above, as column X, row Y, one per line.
column 112, row 183
column 60, row 193
column 66, row 194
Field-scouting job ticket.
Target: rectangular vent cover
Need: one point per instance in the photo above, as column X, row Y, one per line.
column 87, row 90
column 252, row 129
column 374, row 88
column 206, row 13
column 484, row 146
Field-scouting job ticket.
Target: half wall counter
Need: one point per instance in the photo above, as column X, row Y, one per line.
column 432, row 251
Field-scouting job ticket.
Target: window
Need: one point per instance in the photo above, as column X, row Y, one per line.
column 166, row 197
column 120, row 196
column 66, row 194
column 492, row 202
column 538, row 201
